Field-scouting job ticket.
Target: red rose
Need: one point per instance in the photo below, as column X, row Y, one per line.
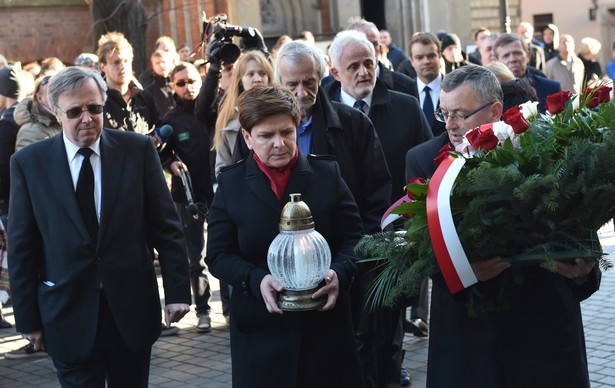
column 598, row 96
column 515, row 119
column 483, row 137
column 556, row 102
column 417, row 180
column 444, row 153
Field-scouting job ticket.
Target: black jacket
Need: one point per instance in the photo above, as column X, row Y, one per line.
column 190, row 143
column 347, row 134
column 138, row 115
column 8, row 135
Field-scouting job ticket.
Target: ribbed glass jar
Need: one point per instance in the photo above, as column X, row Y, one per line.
column 299, row 259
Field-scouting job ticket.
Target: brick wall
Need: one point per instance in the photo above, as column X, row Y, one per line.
column 34, row 33
column 31, row 33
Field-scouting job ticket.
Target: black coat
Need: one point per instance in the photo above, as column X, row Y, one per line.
column 537, row 342
column 347, row 134
column 400, row 124
column 398, row 81
column 296, row 349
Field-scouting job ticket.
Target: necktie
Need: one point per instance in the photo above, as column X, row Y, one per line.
column 428, row 106
column 360, row 105
column 85, row 194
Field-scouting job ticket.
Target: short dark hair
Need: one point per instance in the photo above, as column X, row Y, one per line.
column 425, row 38
column 478, row 78
column 506, row 39
column 261, row 102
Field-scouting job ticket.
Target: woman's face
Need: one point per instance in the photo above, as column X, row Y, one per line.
column 273, row 140
column 254, row 75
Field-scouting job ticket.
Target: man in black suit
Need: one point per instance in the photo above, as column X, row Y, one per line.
column 489, row 350
column 427, row 62
column 86, row 207
column 400, row 125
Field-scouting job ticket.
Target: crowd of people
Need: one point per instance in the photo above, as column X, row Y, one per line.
column 347, row 128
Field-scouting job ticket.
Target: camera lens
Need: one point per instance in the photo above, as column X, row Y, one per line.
column 229, row 53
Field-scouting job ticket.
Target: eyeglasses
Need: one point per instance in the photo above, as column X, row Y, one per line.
column 183, row 83
column 444, row 116
column 77, row 112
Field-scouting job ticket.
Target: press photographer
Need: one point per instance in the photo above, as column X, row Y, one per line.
column 187, row 149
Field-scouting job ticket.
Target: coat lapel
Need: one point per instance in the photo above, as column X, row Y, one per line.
column 299, row 177
column 62, row 183
column 259, row 184
column 111, row 174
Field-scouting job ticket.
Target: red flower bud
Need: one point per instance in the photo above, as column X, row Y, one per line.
column 483, row 137
column 515, row 119
column 556, row 102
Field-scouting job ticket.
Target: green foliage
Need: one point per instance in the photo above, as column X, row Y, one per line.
column 537, row 197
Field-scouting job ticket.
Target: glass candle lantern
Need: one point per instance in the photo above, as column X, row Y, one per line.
column 299, row 257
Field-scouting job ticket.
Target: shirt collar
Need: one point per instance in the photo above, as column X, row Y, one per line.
column 347, row 99
column 72, row 148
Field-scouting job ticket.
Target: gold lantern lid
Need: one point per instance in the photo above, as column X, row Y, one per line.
column 296, row 215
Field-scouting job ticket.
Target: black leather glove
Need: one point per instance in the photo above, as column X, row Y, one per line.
column 256, row 42
column 213, row 55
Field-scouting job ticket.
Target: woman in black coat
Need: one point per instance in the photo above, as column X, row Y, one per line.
column 271, row 348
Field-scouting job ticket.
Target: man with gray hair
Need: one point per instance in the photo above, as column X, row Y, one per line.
column 393, row 80
column 331, row 128
column 400, row 124
column 85, row 206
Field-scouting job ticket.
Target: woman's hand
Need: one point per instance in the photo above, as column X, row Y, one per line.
column 331, row 289
column 488, row 269
column 269, row 291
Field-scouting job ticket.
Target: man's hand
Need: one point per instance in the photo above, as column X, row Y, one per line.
column 36, row 339
column 269, row 291
column 576, row 270
column 176, row 166
column 174, row 312
column 488, row 269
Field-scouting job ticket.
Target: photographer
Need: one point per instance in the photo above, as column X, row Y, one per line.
column 221, row 55
column 221, row 52
column 187, row 148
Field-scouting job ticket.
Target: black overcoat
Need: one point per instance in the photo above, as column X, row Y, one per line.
column 296, row 349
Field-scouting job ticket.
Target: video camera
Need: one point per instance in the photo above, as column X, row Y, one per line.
column 223, row 33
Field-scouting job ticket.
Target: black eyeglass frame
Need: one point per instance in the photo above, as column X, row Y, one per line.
column 439, row 115
column 183, row 83
column 77, row 112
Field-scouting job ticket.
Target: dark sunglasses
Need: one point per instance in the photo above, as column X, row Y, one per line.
column 77, row 112
column 183, row 83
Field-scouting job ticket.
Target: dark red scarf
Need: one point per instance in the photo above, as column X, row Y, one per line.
column 278, row 177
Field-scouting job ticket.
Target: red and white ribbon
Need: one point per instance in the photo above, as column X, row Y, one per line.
column 389, row 217
column 447, row 247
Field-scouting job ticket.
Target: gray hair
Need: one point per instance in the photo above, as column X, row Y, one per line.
column 478, row 78
column 297, row 52
column 71, row 79
column 360, row 24
column 347, row 38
